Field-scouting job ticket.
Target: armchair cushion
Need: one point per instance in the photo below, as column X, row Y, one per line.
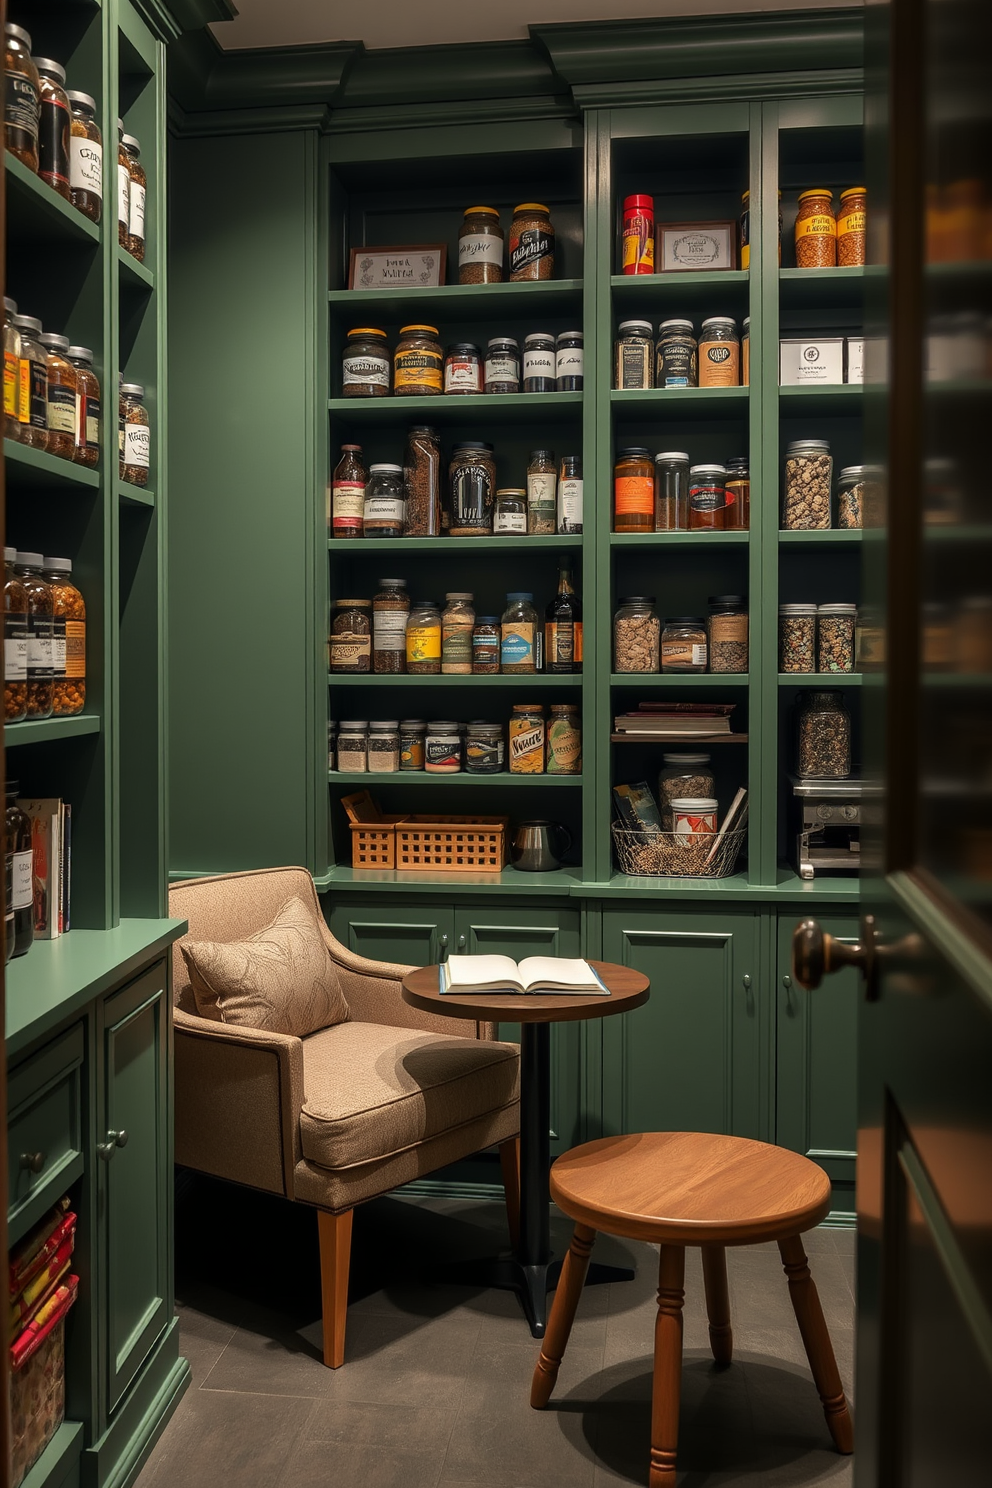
column 371, row 1091
column 280, row 979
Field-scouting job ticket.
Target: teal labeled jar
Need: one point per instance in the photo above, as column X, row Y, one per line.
column 520, row 635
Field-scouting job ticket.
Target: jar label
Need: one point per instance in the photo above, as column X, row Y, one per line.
column 123, row 194
column 15, row 648
column 634, row 364
column 350, row 652
column 417, row 369
column 86, row 165
column 137, row 442
column 485, row 651
column 728, row 628
column 471, row 496
column 53, row 141
column 11, row 383
column 423, row 642
column 461, row 377
column 456, row 645
column 502, row 369
column 75, row 648
column 443, row 752
column 136, row 211
column 563, row 644
column 634, row 496
column 564, row 747
column 707, row 498
column 484, row 755
column 526, row 746
column 58, row 647
column 517, row 644
column 347, row 505
column 485, row 248
column 385, row 510
column 569, row 361
column 21, row 110
column 539, row 362
column 570, row 504
column 638, row 245
column 528, row 247
column 746, row 238
column 33, row 397
column 695, row 823
column 411, row 752
column 366, row 370
column 505, row 521
column 719, row 364
column 92, row 428
column 682, row 653
column 40, row 636
column 677, row 364
column 852, row 222
column 22, row 885
column 821, row 225
column 389, row 630
column 61, row 410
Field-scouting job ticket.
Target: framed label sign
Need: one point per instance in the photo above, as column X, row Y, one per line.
column 683, row 246
column 405, row 266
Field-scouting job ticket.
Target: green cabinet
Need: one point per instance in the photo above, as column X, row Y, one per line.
column 384, row 930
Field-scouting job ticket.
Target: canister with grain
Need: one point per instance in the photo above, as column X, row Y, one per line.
column 390, row 609
column 682, row 775
column 443, row 747
column 816, row 230
column 851, row 227
column 835, row 637
column 457, row 625
column 384, row 747
column 683, row 644
column 532, row 242
column 15, row 642
column 824, row 728
column 485, row 747
column 797, row 638
column 542, row 483
column 350, row 646
column 68, row 639
column 728, row 633
column 423, row 469
column 486, row 646
column 385, row 502
column 41, row 635
column 353, row 745
column 520, row 635
column 671, row 484
column 806, row 494
column 480, row 247
column 851, row 497
column 636, row 635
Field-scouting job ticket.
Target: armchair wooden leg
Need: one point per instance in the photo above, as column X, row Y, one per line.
column 335, row 1261
column 509, row 1158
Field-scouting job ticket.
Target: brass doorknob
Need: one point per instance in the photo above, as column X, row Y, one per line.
column 815, row 953
column 32, row 1162
column 114, row 1140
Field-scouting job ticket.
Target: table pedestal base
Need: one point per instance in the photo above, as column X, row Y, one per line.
column 531, row 1283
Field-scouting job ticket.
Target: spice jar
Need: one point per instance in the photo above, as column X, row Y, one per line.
column 32, row 403
column 719, row 353
column 123, row 188
column 806, row 494
column 485, row 748
column 728, row 633
column 390, row 608
column 348, row 485
column 463, row 368
column 22, row 97
column 824, row 728
column 526, row 739
column 443, row 748
column 520, row 635
column 694, row 816
column 136, row 199
column 423, row 638
column 633, row 355
column 486, row 635
column 20, row 861
column 683, row 644
column 542, row 502
column 480, row 247
column 565, row 740
column 746, row 352
column 353, row 746
column 797, row 638
column 707, row 498
column 365, row 364
column 54, row 127
column 633, row 491
column 457, row 625
column 41, row 632
column 682, row 776
column 68, row 639
column 412, row 731
column 851, row 226
column 569, row 362
column 422, row 466
column 676, row 362
column 63, row 389
column 637, row 246
column 502, row 370
column 532, row 243
column 471, row 489
column 136, row 451
column 835, row 637
column 85, row 156
column 15, row 641
column 385, row 502
column 418, row 363
column 738, row 488
column 636, row 635
column 540, row 363
column 569, row 519
column 851, row 497
column 351, row 636
column 816, row 230
column 510, row 511
column 671, row 488
column 384, row 747
column 86, row 449
column 11, row 371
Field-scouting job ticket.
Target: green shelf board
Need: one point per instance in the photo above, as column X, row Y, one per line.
column 629, row 286
column 681, row 403
column 789, row 887
column 131, row 273
column 686, row 539
column 668, row 682
column 347, row 546
column 801, row 289
column 560, row 883
column 34, row 470
column 37, row 214
column 477, row 410
column 830, row 400
column 53, row 1466
column 529, row 680
column 830, row 537
column 819, row 679
column 462, row 301
column 45, row 730
column 129, row 495
column 420, row 777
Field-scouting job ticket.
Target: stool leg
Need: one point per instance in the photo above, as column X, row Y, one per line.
column 816, row 1340
column 667, row 1388
column 718, row 1302
column 567, row 1294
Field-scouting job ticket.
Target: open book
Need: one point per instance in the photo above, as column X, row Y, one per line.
column 535, row 974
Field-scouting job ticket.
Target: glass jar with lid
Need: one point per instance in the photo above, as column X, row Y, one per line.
column 681, row 776
column 520, row 635
column 835, row 626
column 542, row 492
column 502, row 370
column 390, row 609
column 569, row 362
column 816, row 229
column 510, row 511
column 707, row 498
column 69, row 639
column 677, row 359
column 349, row 483
column 540, row 362
column 22, row 97
column 63, row 388
column 527, row 738
column 422, row 467
column 746, row 352
column 123, row 187
column 463, row 368
column 486, row 646
column 385, row 502
column 418, row 363
column 797, row 638
column 457, row 625
column 55, row 126
column 32, row 403
column 351, row 636
column 136, row 198
column 671, row 491
column 480, row 247
column 41, row 635
column 633, row 355
column 471, row 489
column 532, row 243
column 15, row 641
column 719, row 352
column 365, row 367
column 633, row 490
column 806, row 489
column 851, row 497
column 87, row 436
column 851, row 225
column 738, row 488
column 85, row 156
column 636, row 635
column 485, row 747
column 683, row 644
column 11, row 371
column 565, row 739
column 423, row 638
column 384, row 746
column 353, row 746
column 443, row 747
column 412, row 731
column 824, row 727
column 728, row 633
column 332, row 745
column 135, row 455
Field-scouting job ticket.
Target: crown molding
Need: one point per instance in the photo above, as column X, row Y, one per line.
column 169, row 19
column 204, row 78
column 754, row 87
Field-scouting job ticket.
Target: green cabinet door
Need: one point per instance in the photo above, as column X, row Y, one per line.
column 412, row 934
column 817, row 1062
column 135, row 1174
column 693, row 1057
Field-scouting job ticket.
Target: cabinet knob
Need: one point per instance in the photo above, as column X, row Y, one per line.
column 787, row 981
column 746, row 982
column 32, row 1162
column 815, row 954
column 114, row 1140
column 462, row 942
column 442, row 941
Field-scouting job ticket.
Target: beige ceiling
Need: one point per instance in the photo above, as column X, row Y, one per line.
column 396, row 23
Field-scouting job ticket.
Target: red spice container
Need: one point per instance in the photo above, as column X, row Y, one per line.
column 638, row 235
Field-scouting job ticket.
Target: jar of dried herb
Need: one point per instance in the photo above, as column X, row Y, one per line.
column 63, row 390
column 136, row 198
column 677, row 361
column 457, row 625
column 472, row 489
column 486, row 646
column 68, row 639
column 671, row 486
column 502, row 370
column 520, row 635
column 32, row 402
column 728, row 633
column 540, row 363
column 22, row 98
column 365, row 369
column 15, row 641
column 85, row 157
column 55, row 126
column 463, row 368
column 41, row 635
column 123, row 188
column 11, row 371
column 390, row 609
column 384, row 746
column 824, row 727
column 422, row 466
column 633, row 355
column 385, row 502
column 351, row 636
column 816, row 230
column 353, row 746
column 532, row 243
column 423, row 638
column 418, row 363
column 542, row 494
column 87, row 436
column 480, row 247
column 136, row 453
column 510, row 511
column 569, row 362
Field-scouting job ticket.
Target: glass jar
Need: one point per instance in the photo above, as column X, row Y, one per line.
column 384, row 747
column 806, row 490
column 332, row 745
column 480, row 247
column 816, row 230
column 539, row 363
column 719, row 353
column 637, row 235
column 569, row 362
column 22, row 97
column 532, row 243
column 683, row 644
column 542, row 494
column 745, row 231
column 85, row 156
column 41, row 635
column 707, row 498
column 418, row 363
column 510, row 511
column 502, row 370
column 365, row 369
column 671, row 488
column 123, row 187
column 412, row 731
column 520, row 635
column 851, row 226
column 54, row 127
column 633, row 355
column 633, row 491
column 676, row 359
column 32, row 403
column 824, row 728
column 61, row 397
column 636, row 635
column 526, row 739
column 463, row 368
column 390, row 608
column 746, row 352
column 738, row 488
column 11, row 371
column 348, row 486
column 422, row 467
column 457, row 626
column 485, row 748
column 835, row 624
column 353, row 746
column 351, row 636
column 68, row 639
column 565, row 739
column 86, row 448
column 471, row 489
column 797, row 638
column 569, row 498
column 486, row 636
column 20, row 859
column 728, row 633
column 682, row 776
column 851, row 497
column 15, row 642
column 136, row 199
column 443, row 748
column 423, row 638
column 869, row 641
column 385, row 502
column 136, row 435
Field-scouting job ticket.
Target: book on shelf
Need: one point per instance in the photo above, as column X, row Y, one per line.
column 50, row 835
column 535, row 974
column 637, row 808
column 658, row 720
column 734, row 821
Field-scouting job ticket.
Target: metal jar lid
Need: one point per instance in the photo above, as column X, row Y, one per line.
column 644, row 326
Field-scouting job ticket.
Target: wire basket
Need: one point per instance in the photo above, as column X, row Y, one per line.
column 676, row 854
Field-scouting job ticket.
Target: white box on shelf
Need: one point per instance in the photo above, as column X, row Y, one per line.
column 855, row 359
column 802, row 361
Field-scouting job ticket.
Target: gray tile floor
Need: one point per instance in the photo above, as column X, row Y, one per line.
column 434, row 1393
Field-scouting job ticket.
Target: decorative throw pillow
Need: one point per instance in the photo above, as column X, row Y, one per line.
column 281, row 978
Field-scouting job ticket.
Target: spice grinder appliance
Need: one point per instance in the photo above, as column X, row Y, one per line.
column 831, row 814
column 539, row 846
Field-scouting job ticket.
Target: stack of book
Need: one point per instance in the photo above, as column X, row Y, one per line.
column 673, row 721
column 51, row 852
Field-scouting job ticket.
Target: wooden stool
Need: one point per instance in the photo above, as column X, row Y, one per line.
column 687, row 1188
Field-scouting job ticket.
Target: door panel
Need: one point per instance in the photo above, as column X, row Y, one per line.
column 410, row 934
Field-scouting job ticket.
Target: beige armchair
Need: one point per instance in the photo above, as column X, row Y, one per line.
column 343, row 1115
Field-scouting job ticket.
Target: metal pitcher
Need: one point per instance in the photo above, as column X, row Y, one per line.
column 539, row 846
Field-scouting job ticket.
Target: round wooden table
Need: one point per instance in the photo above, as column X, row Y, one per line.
column 534, row 1270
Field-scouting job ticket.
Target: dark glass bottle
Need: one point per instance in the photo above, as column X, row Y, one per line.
column 19, row 876
column 347, row 493
column 563, row 625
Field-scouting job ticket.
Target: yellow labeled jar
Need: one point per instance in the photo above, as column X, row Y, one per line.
column 851, row 226
column 816, row 230
column 418, row 363
column 423, row 639
column 527, row 739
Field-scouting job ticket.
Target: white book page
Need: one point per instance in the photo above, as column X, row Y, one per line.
column 573, row 973
column 474, row 971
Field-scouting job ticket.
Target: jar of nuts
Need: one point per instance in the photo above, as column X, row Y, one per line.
column 835, row 637
column 824, row 727
column 15, row 642
column 806, row 492
column 797, row 638
column 636, row 635
column 69, row 639
column 728, row 627
column 683, row 775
